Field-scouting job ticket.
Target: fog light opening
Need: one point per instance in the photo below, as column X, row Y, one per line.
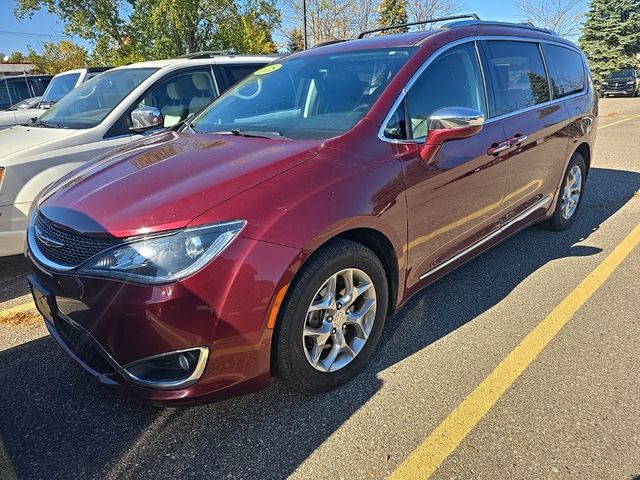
column 184, row 363
column 171, row 370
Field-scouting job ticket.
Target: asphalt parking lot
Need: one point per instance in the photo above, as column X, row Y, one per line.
column 572, row 412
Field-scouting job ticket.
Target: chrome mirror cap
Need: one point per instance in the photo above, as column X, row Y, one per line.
column 449, row 118
column 144, row 118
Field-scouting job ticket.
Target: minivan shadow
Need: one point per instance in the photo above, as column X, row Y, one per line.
column 55, row 421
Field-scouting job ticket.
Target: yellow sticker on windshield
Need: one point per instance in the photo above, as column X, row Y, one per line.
column 268, row 69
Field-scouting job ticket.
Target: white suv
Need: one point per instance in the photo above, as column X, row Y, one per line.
column 114, row 108
column 59, row 86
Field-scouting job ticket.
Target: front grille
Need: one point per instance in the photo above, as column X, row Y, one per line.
column 67, row 248
column 82, row 346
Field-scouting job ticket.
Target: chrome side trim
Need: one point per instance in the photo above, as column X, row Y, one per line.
column 476, row 39
column 544, row 201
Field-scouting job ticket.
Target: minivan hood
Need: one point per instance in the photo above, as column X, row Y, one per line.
column 167, row 180
column 18, row 138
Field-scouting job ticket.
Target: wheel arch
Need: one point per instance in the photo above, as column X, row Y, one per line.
column 382, row 247
column 584, row 149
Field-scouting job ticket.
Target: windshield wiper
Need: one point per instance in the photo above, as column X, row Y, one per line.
column 253, row 133
column 40, row 123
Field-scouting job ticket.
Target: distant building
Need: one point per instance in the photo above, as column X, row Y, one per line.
column 15, row 68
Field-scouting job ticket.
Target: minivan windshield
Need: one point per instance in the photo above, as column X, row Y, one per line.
column 59, row 87
column 312, row 96
column 621, row 74
column 91, row 102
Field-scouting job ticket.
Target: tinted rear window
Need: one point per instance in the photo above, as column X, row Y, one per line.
column 235, row 73
column 565, row 69
column 518, row 75
column 13, row 90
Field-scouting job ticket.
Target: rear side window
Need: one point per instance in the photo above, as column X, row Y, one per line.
column 235, row 73
column 518, row 76
column 566, row 70
column 452, row 80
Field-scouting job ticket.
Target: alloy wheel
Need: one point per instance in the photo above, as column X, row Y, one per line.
column 339, row 320
column 571, row 192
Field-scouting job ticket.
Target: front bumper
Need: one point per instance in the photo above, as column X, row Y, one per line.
column 623, row 92
column 13, row 226
column 106, row 324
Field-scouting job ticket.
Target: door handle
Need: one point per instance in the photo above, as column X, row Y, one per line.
column 497, row 148
column 515, row 140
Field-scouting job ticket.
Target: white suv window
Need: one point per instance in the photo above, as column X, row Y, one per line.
column 181, row 95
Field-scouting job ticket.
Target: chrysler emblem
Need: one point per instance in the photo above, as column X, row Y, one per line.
column 49, row 242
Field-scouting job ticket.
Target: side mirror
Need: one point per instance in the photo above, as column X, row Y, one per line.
column 450, row 123
column 144, row 118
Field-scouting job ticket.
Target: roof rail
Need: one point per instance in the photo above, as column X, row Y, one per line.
column 329, row 42
column 421, row 22
column 527, row 24
column 207, row 54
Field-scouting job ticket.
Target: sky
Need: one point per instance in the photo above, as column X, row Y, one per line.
column 18, row 35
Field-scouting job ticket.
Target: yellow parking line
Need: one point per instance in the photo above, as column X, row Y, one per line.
column 23, row 307
column 447, row 436
column 616, row 123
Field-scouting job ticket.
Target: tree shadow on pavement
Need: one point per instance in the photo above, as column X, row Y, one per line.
column 56, row 422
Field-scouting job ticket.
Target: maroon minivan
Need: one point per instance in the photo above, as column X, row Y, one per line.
column 279, row 227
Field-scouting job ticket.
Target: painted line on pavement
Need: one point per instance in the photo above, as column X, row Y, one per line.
column 441, row 442
column 23, row 307
column 618, row 122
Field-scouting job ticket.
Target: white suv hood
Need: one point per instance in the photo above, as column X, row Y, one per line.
column 9, row 118
column 28, row 140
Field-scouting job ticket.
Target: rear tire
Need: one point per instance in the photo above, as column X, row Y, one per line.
column 350, row 281
column 570, row 195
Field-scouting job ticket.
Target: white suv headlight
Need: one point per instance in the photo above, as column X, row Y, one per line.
column 164, row 258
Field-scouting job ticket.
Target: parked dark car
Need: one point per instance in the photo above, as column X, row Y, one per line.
column 16, row 88
column 277, row 229
column 621, row 83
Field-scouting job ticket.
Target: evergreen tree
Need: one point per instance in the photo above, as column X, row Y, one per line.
column 295, row 41
column 393, row 12
column 611, row 35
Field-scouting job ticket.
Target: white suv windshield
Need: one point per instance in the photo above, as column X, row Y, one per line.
column 90, row 103
column 313, row 96
column 59, row 87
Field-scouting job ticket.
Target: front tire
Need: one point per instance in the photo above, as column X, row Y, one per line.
column 570, row 195
column 332, row 317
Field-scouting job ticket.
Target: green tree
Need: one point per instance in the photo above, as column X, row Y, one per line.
column 124, row 31
column 295, row 40
column 393, row 12
column 17, row 57
column 611, row 35
column 102, row 22
column 58, row 57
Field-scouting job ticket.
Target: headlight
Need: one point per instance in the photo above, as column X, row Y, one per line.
column 632, row 82
column 164, row 258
